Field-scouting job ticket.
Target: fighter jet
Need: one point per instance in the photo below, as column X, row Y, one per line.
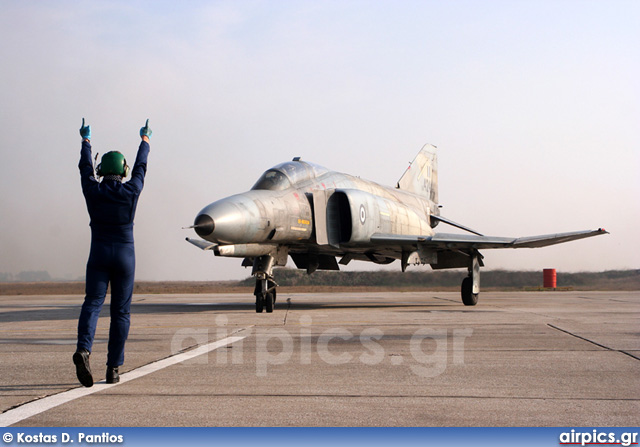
column 315, row 215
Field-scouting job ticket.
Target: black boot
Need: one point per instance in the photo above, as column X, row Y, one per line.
column 112, row 374
column 83, row 369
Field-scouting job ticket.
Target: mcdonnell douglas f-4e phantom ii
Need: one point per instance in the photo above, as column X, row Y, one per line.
column 314, row 215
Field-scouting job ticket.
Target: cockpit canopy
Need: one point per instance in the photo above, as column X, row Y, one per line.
column 285, row 175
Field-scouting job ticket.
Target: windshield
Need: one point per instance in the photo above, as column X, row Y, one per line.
column 272, row 180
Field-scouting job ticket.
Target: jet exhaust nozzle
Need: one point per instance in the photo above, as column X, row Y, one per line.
column 204, row 225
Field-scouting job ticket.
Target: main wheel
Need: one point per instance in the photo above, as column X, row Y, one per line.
column 269, row 300
column 468, row 297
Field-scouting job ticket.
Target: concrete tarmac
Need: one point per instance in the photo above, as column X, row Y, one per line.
column 340, row 359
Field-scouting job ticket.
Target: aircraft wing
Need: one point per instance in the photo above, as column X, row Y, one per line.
column 467, row 241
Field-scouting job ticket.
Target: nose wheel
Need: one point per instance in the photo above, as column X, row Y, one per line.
column 265, row 290
column 265, row 293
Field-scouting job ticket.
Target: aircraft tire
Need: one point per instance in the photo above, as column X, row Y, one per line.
column 259, row 303
column 468, row 298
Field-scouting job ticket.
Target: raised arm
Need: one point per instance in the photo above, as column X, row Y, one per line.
column 140, row 166
column 85, row 165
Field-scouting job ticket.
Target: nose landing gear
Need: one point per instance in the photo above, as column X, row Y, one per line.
column 265, row 293
column 265, row 290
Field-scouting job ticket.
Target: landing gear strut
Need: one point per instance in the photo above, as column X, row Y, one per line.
column 265, row 290
column 471, row 284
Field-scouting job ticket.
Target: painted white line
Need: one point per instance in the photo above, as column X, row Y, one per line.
column 27, row 410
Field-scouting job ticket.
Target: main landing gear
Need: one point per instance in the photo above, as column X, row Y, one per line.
column 471, row 284
column 265, row 290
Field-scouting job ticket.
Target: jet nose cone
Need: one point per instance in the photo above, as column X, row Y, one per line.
column 233, row 220
column 204, row 225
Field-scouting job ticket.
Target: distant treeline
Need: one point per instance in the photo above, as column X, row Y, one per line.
column 503, row 279
column 37, row 284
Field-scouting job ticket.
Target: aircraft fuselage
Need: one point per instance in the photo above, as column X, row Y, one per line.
column 361, row 208
column 314, row 215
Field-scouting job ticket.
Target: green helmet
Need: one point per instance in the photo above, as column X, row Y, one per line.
column 113, row 163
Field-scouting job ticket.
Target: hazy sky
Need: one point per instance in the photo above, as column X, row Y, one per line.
column 534, row 106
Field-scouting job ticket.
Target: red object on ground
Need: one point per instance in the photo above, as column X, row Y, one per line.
column 550, row 278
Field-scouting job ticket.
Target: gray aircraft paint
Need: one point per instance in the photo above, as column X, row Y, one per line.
column 314, row 215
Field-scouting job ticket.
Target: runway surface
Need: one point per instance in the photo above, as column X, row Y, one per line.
column 347, row 359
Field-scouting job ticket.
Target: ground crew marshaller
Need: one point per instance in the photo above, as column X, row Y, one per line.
column 112, row 207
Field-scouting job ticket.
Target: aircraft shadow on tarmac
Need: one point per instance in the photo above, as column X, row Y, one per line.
column 60, row 313
column 150, row 308
column 41, row 314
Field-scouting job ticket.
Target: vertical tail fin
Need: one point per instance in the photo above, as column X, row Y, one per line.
column 421, row 177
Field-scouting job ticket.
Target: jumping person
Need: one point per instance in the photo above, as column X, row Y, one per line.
column 112, row 207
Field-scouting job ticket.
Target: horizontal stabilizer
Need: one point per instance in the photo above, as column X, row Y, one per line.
column 202, row 244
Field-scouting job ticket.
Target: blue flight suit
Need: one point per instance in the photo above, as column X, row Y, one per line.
column 112, row 207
